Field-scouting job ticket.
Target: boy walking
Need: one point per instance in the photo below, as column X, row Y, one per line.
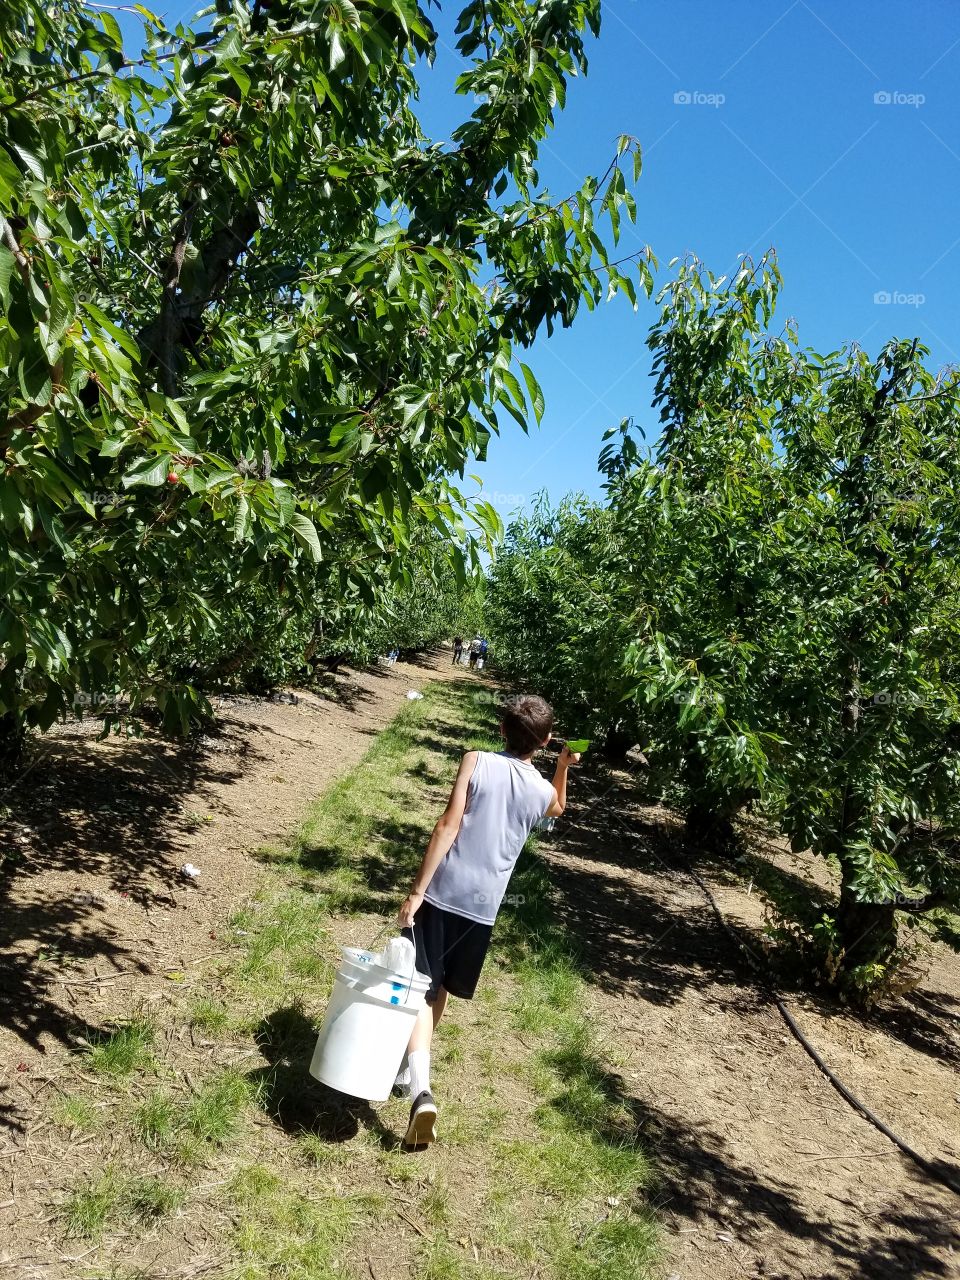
column 496, row 801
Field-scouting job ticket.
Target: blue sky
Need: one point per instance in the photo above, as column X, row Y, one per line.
column 859, row 196
column 836, row 141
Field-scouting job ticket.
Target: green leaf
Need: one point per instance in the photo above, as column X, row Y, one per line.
column 337, row 50
column 305, row 532
column 533, row 391
column 149, row 471
column 31, row 161
column 241, row 520
column 11, row 179
column 7, row 264
column 120, row 337
column 513, row 386
column 229, row 47
column 34, row 377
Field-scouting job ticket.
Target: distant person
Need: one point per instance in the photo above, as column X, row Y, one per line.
column 457, row 649
column 474, row 650
column 496, row 801
column 483, row 653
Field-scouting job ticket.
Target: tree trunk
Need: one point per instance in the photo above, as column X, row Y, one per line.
column 867, row 930
column 711, row 824
column 710, row 814
column 617, row 744
column 11, row 742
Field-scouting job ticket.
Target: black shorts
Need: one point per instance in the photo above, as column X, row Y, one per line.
column 450, row 949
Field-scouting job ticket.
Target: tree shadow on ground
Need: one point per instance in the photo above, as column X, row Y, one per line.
column 650, row 940
column 11, row 1117
column 431, row 777
column 426, row 659
column 88, row 829
column 701, row 1187
column 925, row 1021
column 290, row 1095
column 78, row 813
column 946, row 928
column 396, row 858
column 642, row 939
column 921, row 1019
column 372, row 881
column 789, row 893
column 78, row 810
column 643, row 930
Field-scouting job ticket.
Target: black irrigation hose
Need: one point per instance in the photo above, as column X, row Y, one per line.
column 933, row 1168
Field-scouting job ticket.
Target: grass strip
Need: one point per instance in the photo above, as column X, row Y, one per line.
column 557, row 1176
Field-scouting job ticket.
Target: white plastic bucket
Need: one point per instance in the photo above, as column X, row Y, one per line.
column 367, row 1026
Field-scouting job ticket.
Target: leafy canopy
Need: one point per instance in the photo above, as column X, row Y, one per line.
column 254, row 324
column 770, row 598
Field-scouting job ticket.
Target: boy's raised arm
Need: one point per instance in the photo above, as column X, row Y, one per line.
column 566, row 759
column 444, row 834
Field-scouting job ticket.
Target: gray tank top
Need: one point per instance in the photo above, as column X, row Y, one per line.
column 506, row 798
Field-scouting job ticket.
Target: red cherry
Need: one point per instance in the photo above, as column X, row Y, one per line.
column 172, row 478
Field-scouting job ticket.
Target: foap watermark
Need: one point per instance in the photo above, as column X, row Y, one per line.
column 513, row 101
column 85, row 698
column 510, row 500
column 105, row 497
column 701, row 698
column 909, row 902
column 897, row 298
column 510, row 899
column 489, row 698
column 698, row 98
column 896, row 98
column 896, row 698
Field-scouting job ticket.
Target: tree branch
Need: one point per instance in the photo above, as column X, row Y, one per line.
column 10, row 240
column 168, row 331
column 179, row 321
column 107, row 70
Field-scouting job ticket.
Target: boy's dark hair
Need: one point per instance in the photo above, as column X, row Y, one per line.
column 526, row 720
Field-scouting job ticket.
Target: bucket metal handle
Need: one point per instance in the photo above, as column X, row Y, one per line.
column 413, row 939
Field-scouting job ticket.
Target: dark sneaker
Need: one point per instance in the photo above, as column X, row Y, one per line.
column 422, row 1129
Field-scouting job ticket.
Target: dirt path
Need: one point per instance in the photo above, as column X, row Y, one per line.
column 90, row 889
column 174, row 1178
column 767, row 1171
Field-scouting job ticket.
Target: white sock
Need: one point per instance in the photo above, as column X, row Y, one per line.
column 419, row 1072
